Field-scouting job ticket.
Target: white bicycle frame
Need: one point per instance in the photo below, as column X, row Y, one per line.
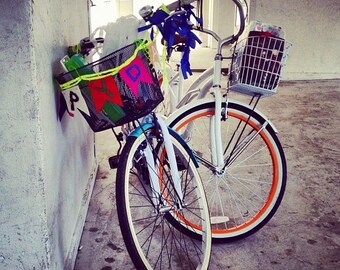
column 176, row 98
column 215, row 73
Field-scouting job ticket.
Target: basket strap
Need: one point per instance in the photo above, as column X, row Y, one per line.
column 110, row 72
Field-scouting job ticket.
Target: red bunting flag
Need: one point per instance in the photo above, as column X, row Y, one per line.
column 104, row 90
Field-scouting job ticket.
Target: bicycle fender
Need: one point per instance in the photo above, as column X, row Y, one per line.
column 198, row 102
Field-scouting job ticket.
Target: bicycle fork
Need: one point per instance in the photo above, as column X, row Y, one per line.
column 153, row 168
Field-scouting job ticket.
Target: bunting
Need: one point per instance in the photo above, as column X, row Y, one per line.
column 103, row 91
column 134, row 74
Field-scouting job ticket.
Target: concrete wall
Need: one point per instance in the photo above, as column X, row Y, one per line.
column 313, row 26
column 47, row 166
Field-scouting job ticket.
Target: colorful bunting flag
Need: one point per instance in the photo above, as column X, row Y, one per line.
column 104, row 90
column 134, row 74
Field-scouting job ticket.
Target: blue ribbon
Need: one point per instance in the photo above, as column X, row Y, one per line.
column 178, row 24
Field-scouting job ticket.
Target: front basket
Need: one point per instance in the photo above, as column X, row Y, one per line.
column 119, row 88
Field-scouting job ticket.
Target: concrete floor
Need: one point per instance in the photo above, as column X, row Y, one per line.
column 304, row 233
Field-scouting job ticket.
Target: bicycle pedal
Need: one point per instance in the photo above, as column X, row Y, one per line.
column 113, row 162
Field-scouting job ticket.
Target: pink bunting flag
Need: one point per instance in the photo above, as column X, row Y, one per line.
column 136, row 73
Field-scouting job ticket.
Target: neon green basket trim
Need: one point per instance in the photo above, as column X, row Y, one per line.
column 165, row 9
column 103, row 74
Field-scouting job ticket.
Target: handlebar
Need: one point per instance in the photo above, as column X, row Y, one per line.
column 242, row 18
column 146, row 12
column 231, row 39
column 172, row 24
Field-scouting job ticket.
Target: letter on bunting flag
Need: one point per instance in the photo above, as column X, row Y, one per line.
column 104, row 90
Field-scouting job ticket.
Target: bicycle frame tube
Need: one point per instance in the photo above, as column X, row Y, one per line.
column 187, row 132
column 139, row 131
column 216, row 137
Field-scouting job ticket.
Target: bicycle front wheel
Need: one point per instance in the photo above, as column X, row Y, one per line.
column 244, row 196
column 159, row 228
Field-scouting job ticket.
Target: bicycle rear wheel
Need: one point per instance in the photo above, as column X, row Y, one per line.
column 159, row 230
column 245, row 196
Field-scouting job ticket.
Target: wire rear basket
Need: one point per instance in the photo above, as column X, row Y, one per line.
column 257, row 65
column 117, row 89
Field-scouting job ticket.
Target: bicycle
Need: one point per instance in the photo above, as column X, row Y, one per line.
column 161, row 204
column 257, row 133
column 243, row 166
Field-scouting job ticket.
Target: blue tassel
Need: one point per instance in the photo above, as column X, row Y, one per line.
column 176, row 25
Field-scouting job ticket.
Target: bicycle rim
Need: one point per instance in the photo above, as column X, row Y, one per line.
column 158, row 235
column 247, row 194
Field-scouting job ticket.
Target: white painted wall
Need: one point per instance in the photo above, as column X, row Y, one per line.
column 47, row 166
column 313, row 26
